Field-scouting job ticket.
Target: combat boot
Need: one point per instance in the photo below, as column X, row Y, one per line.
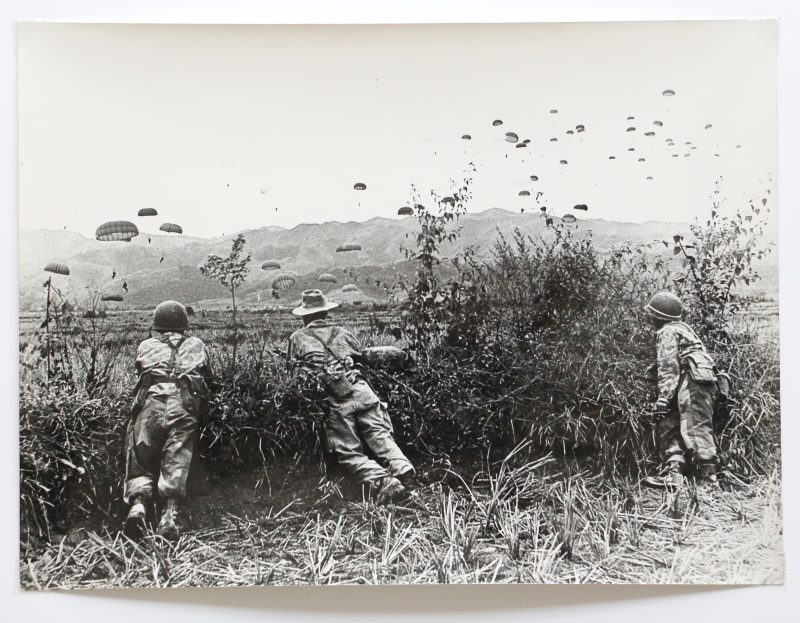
column 707, row 474
column 391, row 490
column 169, row 527
column 670, row 477
column 135, row 522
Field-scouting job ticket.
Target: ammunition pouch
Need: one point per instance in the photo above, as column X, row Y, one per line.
column 700, row 368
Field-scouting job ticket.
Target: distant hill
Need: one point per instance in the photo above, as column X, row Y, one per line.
column 166, row 267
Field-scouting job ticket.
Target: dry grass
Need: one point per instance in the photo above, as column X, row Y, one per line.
column 515, row 524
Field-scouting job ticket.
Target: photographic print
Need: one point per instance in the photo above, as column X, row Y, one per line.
column 398, row 304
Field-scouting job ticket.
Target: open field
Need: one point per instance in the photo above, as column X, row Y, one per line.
column 531, row 517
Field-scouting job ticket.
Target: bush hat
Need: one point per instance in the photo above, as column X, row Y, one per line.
column 313, row 301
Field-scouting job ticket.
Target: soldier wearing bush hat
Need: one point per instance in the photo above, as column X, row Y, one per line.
column 169, row 400
column 687, row 392
column 357, row 424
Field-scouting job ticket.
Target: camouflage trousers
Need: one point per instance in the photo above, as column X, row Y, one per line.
column 159, row 446
column 689, row 423
column 355, row 431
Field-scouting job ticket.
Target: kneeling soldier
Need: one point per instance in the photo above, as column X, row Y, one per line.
column 687, row 392
column 170, row 398
column 357, row 422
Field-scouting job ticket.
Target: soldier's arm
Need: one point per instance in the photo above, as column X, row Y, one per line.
column 668, row 368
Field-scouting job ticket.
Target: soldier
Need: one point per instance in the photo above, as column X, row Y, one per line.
column 357, row 422
column 687, row 392
column 169, row 400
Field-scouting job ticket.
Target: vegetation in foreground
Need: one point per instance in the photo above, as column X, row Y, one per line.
column 526, row 409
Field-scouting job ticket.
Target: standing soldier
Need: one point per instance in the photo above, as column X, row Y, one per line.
column 169, row 400
column 357, row 422
column 687, row 392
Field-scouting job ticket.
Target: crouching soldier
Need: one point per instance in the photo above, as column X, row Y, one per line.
column 169, row 400
column 687, row 393
column 357, row 426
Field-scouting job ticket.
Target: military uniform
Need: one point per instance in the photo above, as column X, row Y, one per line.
column 687, row 392
column 162, row 432
column 358, row 422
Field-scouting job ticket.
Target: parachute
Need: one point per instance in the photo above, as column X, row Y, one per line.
column 512, row 137
column 327, row 278
column 115, row 298
column 568, row 218
column 521, row 145
column 497, row 122
column 649, row 133
column 649, row 178
column 58, row 269
column 631, row 129
column 350, row 287
column 340, row 249
column 708, row 126
column 466, row 137
column 630, row 118
column 668, row 93
column 113, row 231
column 612, row 157
column 524, row 193
column 581, row 206
column 534, row 178
column 147, row 212
column 283, row 281
column 631, row 149
column 553, row 111
column 405, row 211
column 350, row 247
column 658, row 123
column 570, row 132
column 270, row 265
column 563, row 161
column 579, row 128
column 171, row 228
column 554, row 140
column 360, row 186
column 641, row 160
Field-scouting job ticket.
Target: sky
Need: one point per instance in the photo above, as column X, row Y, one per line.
column 226, row 128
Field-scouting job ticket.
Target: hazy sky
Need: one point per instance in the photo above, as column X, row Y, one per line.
column 223, row 128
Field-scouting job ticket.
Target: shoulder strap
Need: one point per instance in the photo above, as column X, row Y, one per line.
column 325, row 344
column 175, row 360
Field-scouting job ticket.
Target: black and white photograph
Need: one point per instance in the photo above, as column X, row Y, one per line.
column 398, row 304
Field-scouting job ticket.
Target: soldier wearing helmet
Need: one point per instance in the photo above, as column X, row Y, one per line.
column 687, row 392
column 169, row 400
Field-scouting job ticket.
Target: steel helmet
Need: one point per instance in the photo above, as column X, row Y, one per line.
column 664, row 306
column 170, row 316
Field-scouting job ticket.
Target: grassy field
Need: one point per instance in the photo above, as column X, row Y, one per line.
column 523, row 515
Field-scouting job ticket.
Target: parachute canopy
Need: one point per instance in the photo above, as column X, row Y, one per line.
column 524, row 193
column 116, row 231
column 553, row 140
column 327, row 278
column 658, row 123
column 58, row 269
column 631, row 129
column 466, row 137
column 405, row 211
column 581, row 206
column 612, row 157
column 708, row 126
column 497, row 122
column 649, row 133
column 668, row 93
column 283, row 281
column 350, row 287
column 553, row 111
column 171, row 228
column 512, row 137
column 270, row 265
column 534, row 178
column 116, row 298
column 570, row 132
column 350, row 246
column 147, row 212
column 568, row 218
column 360, row 186
column 563, row 161
column 579, row 128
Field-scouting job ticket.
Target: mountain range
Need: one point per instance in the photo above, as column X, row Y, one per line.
column 160, row 267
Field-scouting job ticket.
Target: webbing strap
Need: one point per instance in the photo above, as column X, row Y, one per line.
column 175, row 360
column 334, row 333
